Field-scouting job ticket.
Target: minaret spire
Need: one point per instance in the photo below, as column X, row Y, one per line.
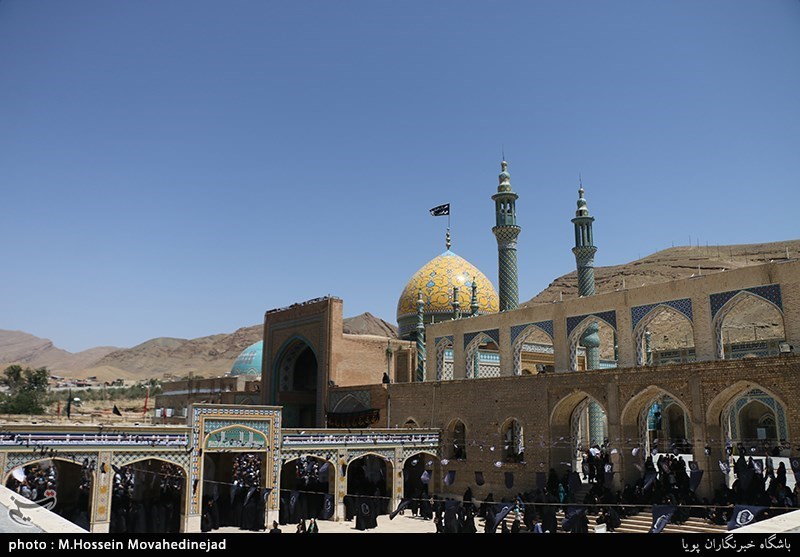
column 473, row 304
column 420, row 337
column 584, row 251
column 506, row 232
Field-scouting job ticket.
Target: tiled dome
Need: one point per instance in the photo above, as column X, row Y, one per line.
column 436, row 280
column 249, row 361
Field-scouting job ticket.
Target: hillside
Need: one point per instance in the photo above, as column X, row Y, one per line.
column 368, row 324
column 214, row 355
column 208, row 356
column 669, row 264
column 17, row 347
column 755, row 321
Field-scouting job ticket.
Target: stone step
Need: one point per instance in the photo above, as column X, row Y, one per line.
column 640, row 524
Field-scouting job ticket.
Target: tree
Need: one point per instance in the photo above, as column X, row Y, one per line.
column 27, row 389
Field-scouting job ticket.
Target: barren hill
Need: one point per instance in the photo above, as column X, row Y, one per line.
column 368, row 324
column 214, row 355
column 670, row 264
column 208, row 356
column 17, row 347
column 755, row 321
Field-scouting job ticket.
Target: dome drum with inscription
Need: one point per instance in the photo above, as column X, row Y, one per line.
column 436, row 280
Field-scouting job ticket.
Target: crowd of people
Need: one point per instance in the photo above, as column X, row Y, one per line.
column 39, row 482
column 34, row 480
column 146, row 498
column 240, row 503
column 666, row 479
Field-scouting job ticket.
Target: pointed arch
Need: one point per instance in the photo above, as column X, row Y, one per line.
column 647, row 320
column 577, row 421
column 662, row 420
column 295, row 382
column 729, row 306
column 254, row 434
column 472, row 356
column 726, row 407
column 172, row 485
column 371, row 474
column 421, row 473
column 285, row 358
column 423, row 452
column 512, row 440
column 313, row 477
column 73, row 486
column 574, row 337
column 456, row 439
column 349, row 403
column 444, row 365
column 526, row 336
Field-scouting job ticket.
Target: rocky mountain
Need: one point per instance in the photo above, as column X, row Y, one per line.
column 208, row 356
column 670, row 264
column 755, row 321
column 214, row 355
column 368, row 324
column 17, row 347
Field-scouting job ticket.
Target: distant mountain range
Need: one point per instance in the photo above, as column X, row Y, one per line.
column 28, row 350
column 214, row 355
column 208, row 356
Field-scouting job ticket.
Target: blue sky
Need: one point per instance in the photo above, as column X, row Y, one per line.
column 177, row 168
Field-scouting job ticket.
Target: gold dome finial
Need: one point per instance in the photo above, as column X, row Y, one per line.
column 447, row 240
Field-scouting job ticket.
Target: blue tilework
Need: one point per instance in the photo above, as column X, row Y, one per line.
column 546, row 326
column 493, row 334
column 609, row 317
column 770, row 292
column 683, row 306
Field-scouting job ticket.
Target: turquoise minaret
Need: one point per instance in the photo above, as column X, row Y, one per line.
column 473, row 303
column 584, row 251
column 506, row 232
column 420, row 337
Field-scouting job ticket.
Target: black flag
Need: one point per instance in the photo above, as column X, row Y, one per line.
column 365, row 517
column 500, row 512
column 572, row 518
column 662, row 514
column 479, row 478
column 69, row 403
column 441, row 210
column 116, row 411
column 541, row 480
column 745, row 514
column 450, row 477
column 326, row 512
column 509, row 480
column 694, row 479
column 403, row 505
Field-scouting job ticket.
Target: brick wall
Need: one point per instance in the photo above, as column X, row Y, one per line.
column 543, row 404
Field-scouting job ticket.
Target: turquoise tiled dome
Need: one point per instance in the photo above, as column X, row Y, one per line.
column 249, row 361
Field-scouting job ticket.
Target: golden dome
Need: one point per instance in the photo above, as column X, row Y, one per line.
column 436, row 280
